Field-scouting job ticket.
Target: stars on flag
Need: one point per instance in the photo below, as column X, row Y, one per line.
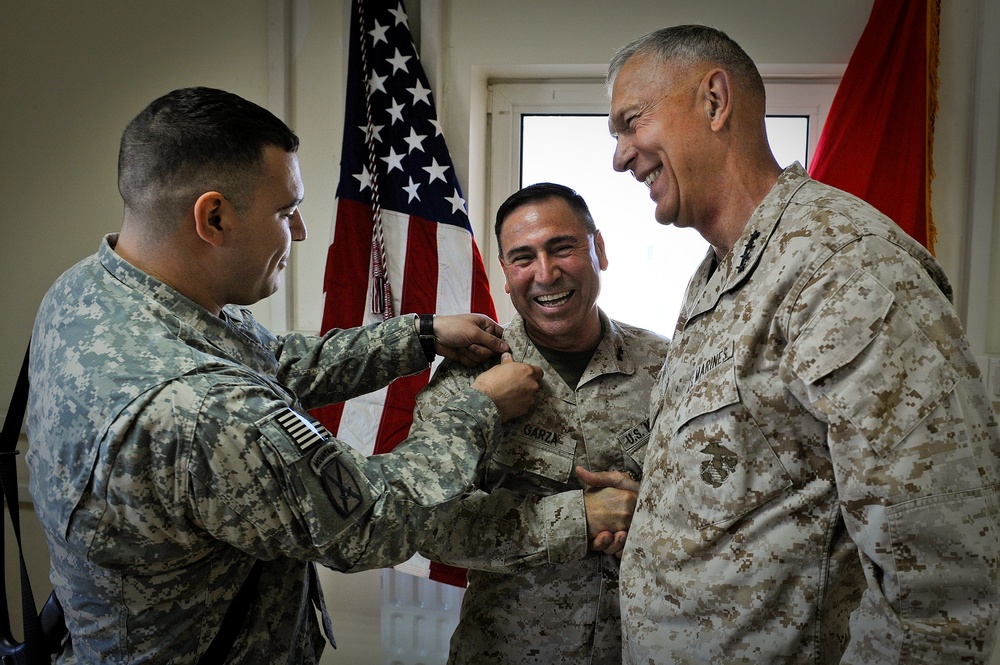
column 414, row 172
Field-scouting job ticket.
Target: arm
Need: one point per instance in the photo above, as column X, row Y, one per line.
column 500, row 531
column 878, row 354
column 270, row 480
column 346, row 363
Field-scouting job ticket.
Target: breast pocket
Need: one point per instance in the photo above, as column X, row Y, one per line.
column 725, row 467
column 524, row 463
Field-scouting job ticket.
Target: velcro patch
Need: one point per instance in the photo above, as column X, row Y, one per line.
column 303, row 430
column 338, row 479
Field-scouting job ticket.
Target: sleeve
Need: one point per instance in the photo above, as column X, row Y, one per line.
column 498, row 531
column 503, row 532
column 346, row 363
column 267, row 478
column 880, row 357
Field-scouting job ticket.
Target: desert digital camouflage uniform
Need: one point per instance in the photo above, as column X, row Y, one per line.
column 821, row 480
column 170, row 448
column 536, row 595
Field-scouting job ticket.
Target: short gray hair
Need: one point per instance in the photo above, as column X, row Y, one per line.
column 691, row 44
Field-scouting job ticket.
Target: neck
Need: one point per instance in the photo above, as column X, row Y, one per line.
column 169, row 262
column 745, row 191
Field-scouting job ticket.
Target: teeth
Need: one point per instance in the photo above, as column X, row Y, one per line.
column 552, row 297
column 651, row 177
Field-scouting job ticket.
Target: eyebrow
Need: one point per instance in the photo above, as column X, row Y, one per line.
column 554, row 240
column 291, row 205
column 614, row 119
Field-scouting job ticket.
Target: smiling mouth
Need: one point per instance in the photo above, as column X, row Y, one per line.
column 651, row 177
column 553, row 299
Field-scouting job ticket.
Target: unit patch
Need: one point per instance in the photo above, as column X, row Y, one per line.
column 338, row 479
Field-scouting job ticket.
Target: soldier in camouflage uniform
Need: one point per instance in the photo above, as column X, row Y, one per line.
column 821, row 481
column 536, row 594
column 172, row 455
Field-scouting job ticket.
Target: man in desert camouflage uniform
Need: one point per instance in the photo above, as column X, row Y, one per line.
column 172, row 455
column 536, row 594
column 821, row 480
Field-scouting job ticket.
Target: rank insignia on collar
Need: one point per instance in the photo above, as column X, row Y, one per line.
column 746, row 251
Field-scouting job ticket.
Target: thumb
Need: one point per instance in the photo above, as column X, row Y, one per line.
column 506, row 358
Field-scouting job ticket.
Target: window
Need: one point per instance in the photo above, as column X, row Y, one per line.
column 558, row 132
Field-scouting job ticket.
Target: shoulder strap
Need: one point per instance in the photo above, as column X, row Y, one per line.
column 33, row 636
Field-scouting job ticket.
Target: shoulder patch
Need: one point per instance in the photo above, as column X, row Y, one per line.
column 303, row 430
column 338, row 479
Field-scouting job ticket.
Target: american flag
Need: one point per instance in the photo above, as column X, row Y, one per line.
column 402, row 241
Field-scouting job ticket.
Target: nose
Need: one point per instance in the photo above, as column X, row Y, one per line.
column 298, row 227
column 624, row 153
column 547, row 269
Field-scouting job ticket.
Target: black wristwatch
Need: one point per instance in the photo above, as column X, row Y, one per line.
column 426, row 332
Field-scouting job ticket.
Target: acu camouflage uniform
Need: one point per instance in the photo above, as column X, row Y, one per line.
column 170, row 449
column 821, row 481
column 536, row 595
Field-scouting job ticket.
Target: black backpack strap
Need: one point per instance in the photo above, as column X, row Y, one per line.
column 33, row 646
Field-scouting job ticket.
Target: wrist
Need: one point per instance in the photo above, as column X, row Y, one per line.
column 425, row 332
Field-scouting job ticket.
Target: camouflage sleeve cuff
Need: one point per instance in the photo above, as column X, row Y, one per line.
column 484, row 412
column 566, row 516
column 413, row 360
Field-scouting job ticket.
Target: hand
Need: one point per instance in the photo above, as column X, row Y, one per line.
column 511, row 386
column 609, row 501
column 471, row 339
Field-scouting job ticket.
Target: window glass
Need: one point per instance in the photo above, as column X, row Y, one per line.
column 648, row 264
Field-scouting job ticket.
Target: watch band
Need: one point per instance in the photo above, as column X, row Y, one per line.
column 426, row 332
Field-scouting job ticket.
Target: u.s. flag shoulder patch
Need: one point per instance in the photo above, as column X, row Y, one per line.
column 335, row 474
column 306, row 432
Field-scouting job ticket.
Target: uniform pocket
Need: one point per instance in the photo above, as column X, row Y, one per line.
column 874, row 363
column 725, row 465
column 526, row 454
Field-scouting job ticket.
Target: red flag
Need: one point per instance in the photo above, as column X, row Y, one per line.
column 402, row 241
column 879, row 135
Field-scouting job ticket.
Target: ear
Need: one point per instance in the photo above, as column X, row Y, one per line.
column 602, row 257
column 213, row 217
column 716, row 91
column 503, row 266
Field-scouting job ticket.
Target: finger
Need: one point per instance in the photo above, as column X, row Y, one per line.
column 506, row 358
column 615, row 479
column 602, row 541
column 617, row 544
column 489, row 336
column 473, row 356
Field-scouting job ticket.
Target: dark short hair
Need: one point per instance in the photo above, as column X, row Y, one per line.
column 692, row 43
column 542, row 191
column 194, row 140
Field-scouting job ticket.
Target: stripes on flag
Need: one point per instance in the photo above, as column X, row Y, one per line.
column 432, row 260
column 301, row 429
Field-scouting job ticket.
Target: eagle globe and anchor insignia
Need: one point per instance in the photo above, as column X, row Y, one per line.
column 723, row 462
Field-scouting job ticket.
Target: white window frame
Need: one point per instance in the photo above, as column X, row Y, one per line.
column 791, row 90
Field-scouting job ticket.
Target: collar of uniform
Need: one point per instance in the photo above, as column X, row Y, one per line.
column 611, row 355
column 235, row 333
column 739, row 264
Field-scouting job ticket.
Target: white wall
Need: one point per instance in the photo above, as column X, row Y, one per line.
column 73, row 74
